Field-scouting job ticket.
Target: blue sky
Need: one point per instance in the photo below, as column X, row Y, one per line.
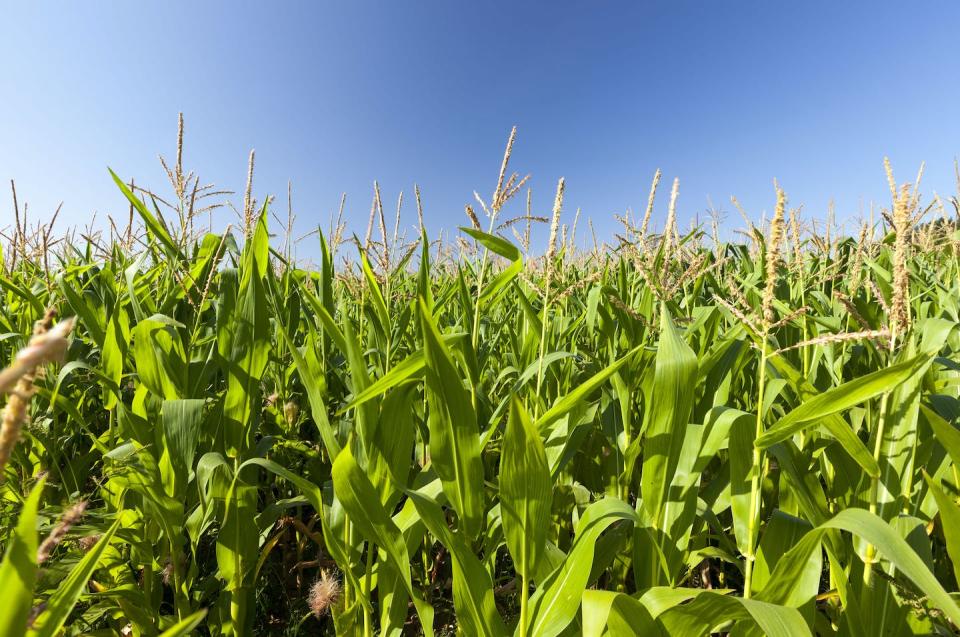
column 725, row 95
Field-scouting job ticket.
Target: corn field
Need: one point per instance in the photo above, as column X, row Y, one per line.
column 673, row 434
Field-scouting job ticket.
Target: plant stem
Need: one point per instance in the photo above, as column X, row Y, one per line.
column 346, row 581
column 871, row 551
column 543, row 343
column 524, row 599
column 755, row 471
column 367, row 581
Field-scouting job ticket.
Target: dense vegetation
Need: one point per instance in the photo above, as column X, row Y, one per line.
column 672, row 435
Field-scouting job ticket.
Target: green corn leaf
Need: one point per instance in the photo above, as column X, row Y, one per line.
column 392, row 445
column 362, row 504
column 410, row 367
column 535, row 367
column 950, row 519
column 61, row 603
column 659, row 599
column 373, row 287
column 555, row 603
column 526, row 492
column 665, row 436
column 155, row 227
column 236, row 551
column 617, row 613
column 834, row 424
column 899, row 445
column 185, row 626
column 710, row 610
column 789, row 583
column 324, row 315
column 159, row 357
column 499, row 283
column 788, row 567
column 80, row 305
column 245, row 342
column 25, row 294
column 472, row 586
column 563, row 406
column 364, row 417
column 454, row 436
column 742, row 437
column 894, row 549
column 182, row 422
column 494, row 243
column 318, row 407
column 424, row 285
column 946, row 434
column 18, row 571
column 671, row 402
column 114, row 350
column 841, row 398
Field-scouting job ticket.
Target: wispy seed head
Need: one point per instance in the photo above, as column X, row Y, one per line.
column 555, row 220
column 68, row 521
column 324, row 593
column 773, row 257
column 650, row 199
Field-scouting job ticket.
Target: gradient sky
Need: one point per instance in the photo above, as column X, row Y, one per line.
column 725, row 95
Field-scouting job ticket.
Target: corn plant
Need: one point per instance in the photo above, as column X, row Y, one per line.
column 663, row 436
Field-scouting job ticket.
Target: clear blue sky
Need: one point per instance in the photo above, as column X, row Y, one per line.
column 725, row 95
